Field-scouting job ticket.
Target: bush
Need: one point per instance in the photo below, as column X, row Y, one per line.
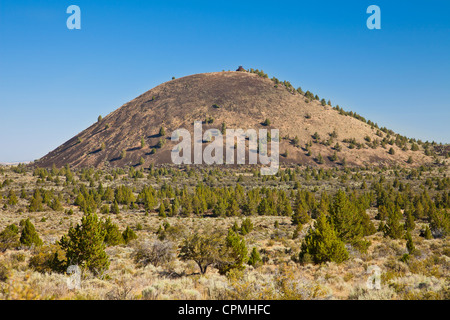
column 203, row 248
column 4, row 273
column 9, row 238
column 47, row 259
column 155, row 253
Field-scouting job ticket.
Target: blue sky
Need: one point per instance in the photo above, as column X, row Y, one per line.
column 54, row 82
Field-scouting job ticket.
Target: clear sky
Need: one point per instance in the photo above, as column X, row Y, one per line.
column 54, row 82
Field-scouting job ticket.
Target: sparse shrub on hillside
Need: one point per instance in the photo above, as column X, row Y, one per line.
column 161, row 143
column 319, row 159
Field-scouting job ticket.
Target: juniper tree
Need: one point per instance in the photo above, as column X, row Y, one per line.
column 12, row 198
column 427, row 233
column 84, row 245
column 394, row 228
column 300, row 215
column 409, row 243
column 223, row 129
column 321, row 243
column 234, row 253
column 36, row 202
column 320, row 159
column 255, row 258
column 334, row 157
column 29, row 236
column 232, row 208
column 113, row 236
column 114, row 208
column 162, row 210
column 440, row 222
column 246, row 226
column 128, row 235
column 409, row 221
column 346, row 218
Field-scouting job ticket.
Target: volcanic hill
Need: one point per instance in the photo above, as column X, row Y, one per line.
column 312, row 133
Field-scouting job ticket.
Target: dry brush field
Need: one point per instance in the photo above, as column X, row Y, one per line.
column 26, row 271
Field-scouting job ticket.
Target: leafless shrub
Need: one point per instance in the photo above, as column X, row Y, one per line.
column 155, row 253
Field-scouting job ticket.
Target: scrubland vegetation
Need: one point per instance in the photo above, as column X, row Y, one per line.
column 224, row 233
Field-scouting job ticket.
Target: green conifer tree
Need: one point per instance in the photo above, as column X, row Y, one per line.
column 300, row 215
column 409, row 243
column 84, row 245
column 162, row 132
column 322, row 244
column 162, row 210
column 128, row 235
column 29, row 236
column 234, row 253
column 394, row 228
column 255, row 258
column 113, row 236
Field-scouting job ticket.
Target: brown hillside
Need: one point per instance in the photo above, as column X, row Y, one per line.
column 245, row 100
